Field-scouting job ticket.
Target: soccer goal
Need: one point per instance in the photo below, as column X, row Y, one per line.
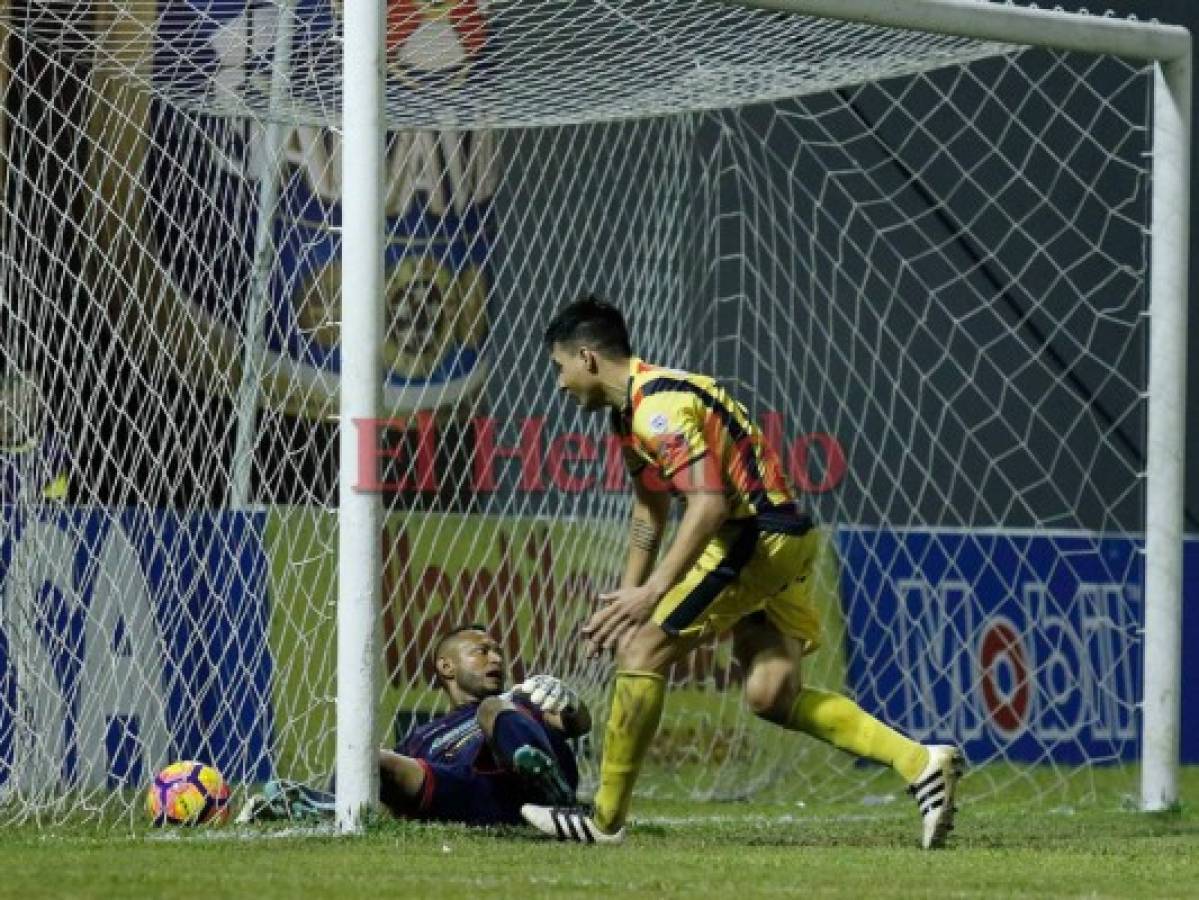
column 275, row 274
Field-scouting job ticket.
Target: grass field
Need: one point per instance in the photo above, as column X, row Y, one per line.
column 695, row 849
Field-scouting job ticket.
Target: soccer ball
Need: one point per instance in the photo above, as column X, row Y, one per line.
column 188, row 793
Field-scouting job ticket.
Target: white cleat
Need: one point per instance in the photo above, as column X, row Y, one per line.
column 255, row 809
column 568, row 823
column 936, row 793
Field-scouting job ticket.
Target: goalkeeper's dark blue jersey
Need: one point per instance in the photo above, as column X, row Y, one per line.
column 453, row 738
column 456, row 739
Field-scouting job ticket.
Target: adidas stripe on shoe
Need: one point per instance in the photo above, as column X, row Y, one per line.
column 936, row 794
column 568, row 823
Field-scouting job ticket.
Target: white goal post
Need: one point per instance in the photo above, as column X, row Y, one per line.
column 360, row 568
column 1169, row 48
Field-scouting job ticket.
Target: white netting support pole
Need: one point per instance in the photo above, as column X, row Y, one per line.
column 360, row 520
column 1167, row 425
column 264, row 262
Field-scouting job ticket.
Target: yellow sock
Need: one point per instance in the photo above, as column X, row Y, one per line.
column 637, row 701
column 842, row 723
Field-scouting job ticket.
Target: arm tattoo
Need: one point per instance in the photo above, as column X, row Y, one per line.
column 644, row 535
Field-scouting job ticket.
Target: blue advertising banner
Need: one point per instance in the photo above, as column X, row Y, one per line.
column 1009, row 644
column 202, row 176
column 128, row 640
column 1190, row 651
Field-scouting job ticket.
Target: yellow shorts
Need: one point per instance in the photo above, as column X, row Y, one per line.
column 739, row 573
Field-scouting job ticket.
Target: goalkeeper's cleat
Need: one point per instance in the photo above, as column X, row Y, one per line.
column 298, row 801
column 568, row 823
column 541, row 775
column 936, row 793
column 287, row 801
column 256, row 809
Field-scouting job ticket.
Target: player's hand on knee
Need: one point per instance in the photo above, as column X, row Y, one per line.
column 611, row 639
column 601, row 631
column 621, row 613
column 549, row 694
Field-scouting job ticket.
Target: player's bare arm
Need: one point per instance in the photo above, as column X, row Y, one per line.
column 647, row 523
column 632, row 605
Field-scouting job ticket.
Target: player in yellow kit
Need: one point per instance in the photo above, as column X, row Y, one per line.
column 739, row 561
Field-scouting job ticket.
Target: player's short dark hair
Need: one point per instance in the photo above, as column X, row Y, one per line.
column 454, row 632
column 593, row 322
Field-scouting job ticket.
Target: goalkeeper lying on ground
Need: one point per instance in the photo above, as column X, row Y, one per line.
column 477, row 764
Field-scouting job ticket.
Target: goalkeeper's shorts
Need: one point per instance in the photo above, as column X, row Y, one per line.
column 462, row 793
column 744, row 570
column 478, row 794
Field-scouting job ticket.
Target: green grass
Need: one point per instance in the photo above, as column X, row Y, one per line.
column 1011, row 847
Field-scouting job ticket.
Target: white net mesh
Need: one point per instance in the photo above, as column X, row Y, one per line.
column 920, row 260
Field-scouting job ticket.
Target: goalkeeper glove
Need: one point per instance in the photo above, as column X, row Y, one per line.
column 549, row 694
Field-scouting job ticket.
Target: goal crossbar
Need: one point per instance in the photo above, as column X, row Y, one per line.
column 1054, row 28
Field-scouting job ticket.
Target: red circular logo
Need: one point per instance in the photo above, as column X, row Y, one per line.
column 1001, row 644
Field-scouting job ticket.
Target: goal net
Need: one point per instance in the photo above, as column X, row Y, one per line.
column 921, row 260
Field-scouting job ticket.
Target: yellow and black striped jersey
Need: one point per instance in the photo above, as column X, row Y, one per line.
column 694, row 435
